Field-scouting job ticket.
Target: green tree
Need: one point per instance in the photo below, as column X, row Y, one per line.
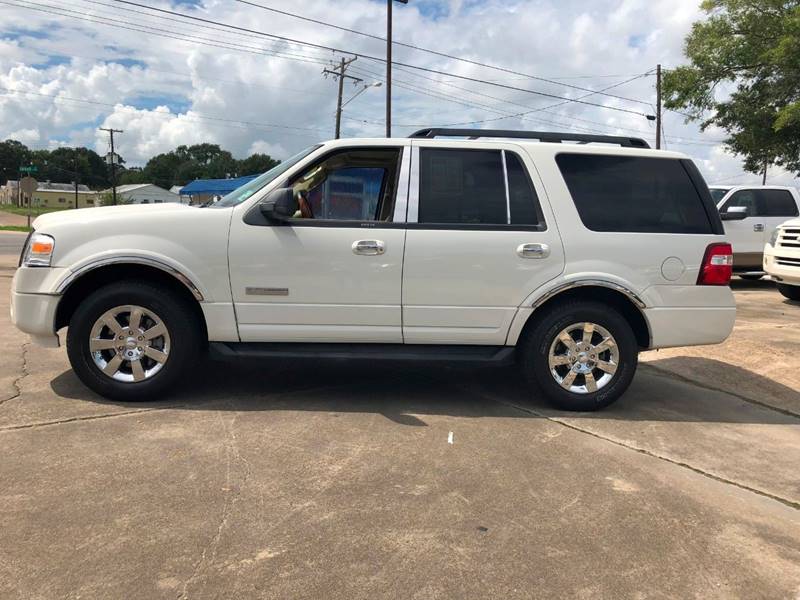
column 13, row 155
column 255, row 164
column 744, row 76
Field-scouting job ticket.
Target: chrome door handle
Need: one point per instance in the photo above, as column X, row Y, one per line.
column 533, row 250
column 758, row 227
column 369, row 247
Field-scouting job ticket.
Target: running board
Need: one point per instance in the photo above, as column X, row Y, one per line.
column 497, row 355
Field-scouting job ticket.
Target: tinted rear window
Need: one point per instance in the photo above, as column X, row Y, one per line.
column 634, row 194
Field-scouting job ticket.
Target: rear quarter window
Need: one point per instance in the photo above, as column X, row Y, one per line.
column 634, row 194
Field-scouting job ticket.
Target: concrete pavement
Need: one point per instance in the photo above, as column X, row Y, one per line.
column 338, row 480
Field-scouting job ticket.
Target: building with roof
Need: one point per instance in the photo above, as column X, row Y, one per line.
column 201, row 191
column 143, row 193
column 48, row 195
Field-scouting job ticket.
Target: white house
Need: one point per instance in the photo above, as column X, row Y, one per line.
column 144, row 193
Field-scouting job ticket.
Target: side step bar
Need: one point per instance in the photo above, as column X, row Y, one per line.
column 497, row 355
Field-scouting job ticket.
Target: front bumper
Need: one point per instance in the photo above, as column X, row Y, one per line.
column 35, row 314
column 785, row 271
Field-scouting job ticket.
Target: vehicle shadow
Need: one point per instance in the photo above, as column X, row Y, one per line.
column 404, row 393
column 748, row 284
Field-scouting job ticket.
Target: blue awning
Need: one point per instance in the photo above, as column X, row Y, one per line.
column 214, row 186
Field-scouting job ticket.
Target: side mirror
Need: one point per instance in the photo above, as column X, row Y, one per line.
column 279, row 205
column 734, row 213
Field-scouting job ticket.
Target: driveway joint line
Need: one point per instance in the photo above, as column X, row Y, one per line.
column 87, row 418
column 662, row 372
column 785, row 501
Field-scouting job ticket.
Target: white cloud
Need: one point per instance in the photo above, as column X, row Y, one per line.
column 164, row 92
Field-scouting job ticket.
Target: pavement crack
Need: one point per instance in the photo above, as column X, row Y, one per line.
column 232, row 453
column 17, row 383
column 780, row 499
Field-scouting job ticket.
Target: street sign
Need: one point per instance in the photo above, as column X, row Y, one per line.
column 28, row 185
column 31, row 169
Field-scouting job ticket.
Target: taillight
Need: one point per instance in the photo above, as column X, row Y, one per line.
column 717, row 266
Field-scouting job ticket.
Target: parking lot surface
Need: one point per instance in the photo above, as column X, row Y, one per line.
column 339, row 480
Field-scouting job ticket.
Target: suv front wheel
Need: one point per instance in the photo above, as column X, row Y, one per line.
column 132, row 341
column 582, row 355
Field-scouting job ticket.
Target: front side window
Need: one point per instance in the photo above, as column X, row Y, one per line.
column 475, row 187
column 354, row 185
column 634, row 194
column 747, row 199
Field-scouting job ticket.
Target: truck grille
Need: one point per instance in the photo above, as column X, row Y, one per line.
column 789, row 238
column 787, row 262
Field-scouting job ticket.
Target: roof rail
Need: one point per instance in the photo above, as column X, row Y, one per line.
column 542, row 136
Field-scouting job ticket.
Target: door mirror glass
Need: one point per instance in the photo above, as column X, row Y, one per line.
column 279, row 205
column 734, row 213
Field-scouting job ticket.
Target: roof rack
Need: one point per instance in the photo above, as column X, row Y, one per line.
column 542, row 136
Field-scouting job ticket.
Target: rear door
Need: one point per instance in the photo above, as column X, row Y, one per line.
column 480, row 239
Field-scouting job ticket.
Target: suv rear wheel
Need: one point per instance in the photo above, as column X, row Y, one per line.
column 132, row 341
column 582, row 355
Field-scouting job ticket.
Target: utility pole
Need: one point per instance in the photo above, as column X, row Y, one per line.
column 75, row 169
column 658, row 107
column 113, row 169
column 339, row 73
column 389, row 65
column 764, row 175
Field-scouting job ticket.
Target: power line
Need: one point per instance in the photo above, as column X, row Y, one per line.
column 382, row 60
column 431, row 51
column 170, row 34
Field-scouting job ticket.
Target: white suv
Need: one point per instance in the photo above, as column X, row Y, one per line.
column 782, row 258
column 569, row 258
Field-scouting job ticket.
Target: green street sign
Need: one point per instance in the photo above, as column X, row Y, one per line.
column 31, row 169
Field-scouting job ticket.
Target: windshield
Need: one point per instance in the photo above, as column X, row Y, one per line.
column 718, row 194
column 242, row 193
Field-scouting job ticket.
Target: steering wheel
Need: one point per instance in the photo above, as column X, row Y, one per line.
column 305, row 205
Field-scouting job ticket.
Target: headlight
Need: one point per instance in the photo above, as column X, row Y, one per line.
column 38, row 251
column 774, row 237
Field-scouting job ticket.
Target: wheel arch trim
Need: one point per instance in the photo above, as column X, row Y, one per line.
column 563, row 287
column 65, row 283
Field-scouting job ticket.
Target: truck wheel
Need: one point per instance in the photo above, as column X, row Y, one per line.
column 581, row 355
column 132, row 341
column 792, row 292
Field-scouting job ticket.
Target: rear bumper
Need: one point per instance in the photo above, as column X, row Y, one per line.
column 689, row 315
column 35, row 314
column 670, row 327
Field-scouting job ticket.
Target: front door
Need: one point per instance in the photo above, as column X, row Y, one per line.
column 332, row 273
column 746, row 236
column 479, row 242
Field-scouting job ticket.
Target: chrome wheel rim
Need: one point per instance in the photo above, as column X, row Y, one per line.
column 129, row 343
column 583, row 358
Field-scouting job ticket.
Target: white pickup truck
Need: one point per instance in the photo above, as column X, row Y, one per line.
column 750, row 215
column 467, row 245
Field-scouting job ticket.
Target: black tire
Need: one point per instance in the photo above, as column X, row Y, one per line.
column 537, row 340
column 792, row 292
column 184, row 331
column 749, row 277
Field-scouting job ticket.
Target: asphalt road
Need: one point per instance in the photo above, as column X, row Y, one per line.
column 11, row 243
column 339, row 480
